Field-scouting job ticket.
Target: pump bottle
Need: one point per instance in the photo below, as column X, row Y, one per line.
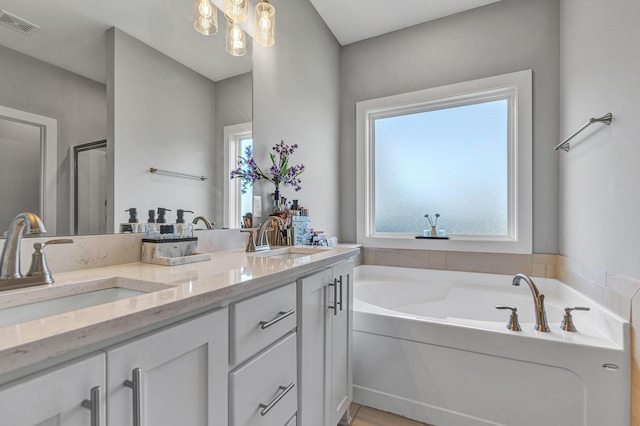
column 182, row 229
column 132, row 224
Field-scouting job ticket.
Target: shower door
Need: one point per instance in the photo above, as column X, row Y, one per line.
column 90, row 188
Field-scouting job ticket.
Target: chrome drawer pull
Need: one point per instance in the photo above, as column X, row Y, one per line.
column 335, row 297
column 267, row 407
column 93, row 404
column 281, row 315
column 340, row 291
column 136, row 386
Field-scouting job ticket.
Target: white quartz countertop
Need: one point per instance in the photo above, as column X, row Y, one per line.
column 191, row 288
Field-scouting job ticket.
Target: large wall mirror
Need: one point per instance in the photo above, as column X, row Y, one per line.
column 129, row 86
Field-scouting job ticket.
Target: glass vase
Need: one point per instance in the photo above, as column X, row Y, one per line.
column 277, row 208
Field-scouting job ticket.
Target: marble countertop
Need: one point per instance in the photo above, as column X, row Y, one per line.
column 190, row 288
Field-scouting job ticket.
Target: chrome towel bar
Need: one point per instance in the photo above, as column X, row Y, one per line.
column 169, row 172
column 564, row 145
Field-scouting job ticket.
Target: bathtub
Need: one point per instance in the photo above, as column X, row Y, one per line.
column 430, row 345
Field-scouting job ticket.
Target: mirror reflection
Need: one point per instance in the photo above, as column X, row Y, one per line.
column 94, row 95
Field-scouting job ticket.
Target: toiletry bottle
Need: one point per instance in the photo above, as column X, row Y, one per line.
column 161, row 213
column 166, row 231
column 132, row 224
column 152, row 227
column 183, row 229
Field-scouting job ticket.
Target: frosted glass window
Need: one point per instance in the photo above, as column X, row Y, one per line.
column 463, row 150
column 452, row 161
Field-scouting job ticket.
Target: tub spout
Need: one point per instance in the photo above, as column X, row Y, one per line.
column 538, row 302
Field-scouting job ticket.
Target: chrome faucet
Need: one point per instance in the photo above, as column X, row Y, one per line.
column 208, row 224
column 10, row 275
column 10, row 262
column 538, row 302
column 261, row 242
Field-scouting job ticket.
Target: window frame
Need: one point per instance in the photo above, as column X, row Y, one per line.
column 233, row 136
column 517, row 89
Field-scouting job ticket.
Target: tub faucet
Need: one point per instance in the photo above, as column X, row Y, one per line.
column 261, row 243
column 538, row 302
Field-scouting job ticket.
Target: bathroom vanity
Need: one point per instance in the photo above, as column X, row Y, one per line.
column 240, row 339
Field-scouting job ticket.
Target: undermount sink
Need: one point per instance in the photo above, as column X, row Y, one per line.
column 37, row 303
column 287, row 253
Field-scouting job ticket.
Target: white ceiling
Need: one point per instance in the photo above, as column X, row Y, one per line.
column 355, row 20
column 72, row 34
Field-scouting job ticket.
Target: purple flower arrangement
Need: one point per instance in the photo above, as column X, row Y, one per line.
column 279, row 172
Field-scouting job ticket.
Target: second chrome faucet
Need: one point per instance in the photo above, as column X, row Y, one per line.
column 261, row 242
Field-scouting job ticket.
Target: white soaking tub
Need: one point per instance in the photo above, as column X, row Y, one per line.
column 430, row 345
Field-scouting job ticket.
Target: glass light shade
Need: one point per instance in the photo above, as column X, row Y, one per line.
column 205, row 17
column 237, row 10
column 265, row 29
column 236, row 39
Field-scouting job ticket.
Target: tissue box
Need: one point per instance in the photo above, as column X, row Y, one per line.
column 173, row 251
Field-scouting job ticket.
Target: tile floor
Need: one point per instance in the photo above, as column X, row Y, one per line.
column 367, row 416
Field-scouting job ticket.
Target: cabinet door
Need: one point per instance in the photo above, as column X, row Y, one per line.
column 54, row 397
column 177, row 376
column 341, row 342
column 313, row 368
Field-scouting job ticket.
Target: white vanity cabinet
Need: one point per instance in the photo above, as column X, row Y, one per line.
column 176, row 376
column 325, row 340
column 263, row 378
column 55, row 397
column 281, row 357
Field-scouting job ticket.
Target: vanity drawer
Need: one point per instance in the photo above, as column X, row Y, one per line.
column 264, row 391
column 258, row 322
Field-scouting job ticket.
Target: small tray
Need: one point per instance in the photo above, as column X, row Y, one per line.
column 422, row 237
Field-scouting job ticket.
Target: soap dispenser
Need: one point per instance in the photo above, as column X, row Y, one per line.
column 152, row 227
column 132, row 224
column 183, row 229
column 166, row 231
column 161, row 214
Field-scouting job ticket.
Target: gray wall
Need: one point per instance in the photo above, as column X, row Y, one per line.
column 599, row 177
column 296, row 98
column 163, row 115
column 503, row 37
column 233, row 106
column 79, row 105
column 19, row 158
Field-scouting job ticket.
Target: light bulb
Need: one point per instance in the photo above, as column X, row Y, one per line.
column 236, row 39
column 236, row 33
column 264, row 22
column 205, row 17
column 205, row 23
column 237, row 10
column 205, row 8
